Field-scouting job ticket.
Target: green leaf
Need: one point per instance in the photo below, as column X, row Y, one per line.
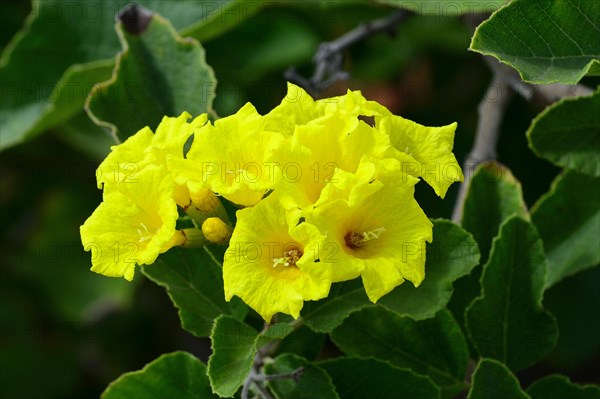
column 546, row 41
column 85, row 136
column 374, row 379
column 157, row 74
column 493, row 380
column 344, row 298
column 314, row 383
column 560, row 387
column 508, row 322
column 303, row 342
column 452, row 255
column 434, row 347
column 76, row 43
column 221, row 16
column 494, row 195
column 579, row 339
column 233, row 350
column 194, row 282
column 440, row 8
column 234, row 345
column 175, row 375
column 568, row 219
column 567, row 134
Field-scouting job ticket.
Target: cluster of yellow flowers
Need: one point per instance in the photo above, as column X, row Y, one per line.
column 326, row 189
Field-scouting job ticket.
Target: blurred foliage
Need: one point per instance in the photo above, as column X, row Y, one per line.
column 76, row 331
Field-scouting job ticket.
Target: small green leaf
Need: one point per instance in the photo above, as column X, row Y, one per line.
column 493, row 380
column 233, row 350
column 452, row 254
column 508, row 322
column 494, row 195
column 546, row 41
column 441, row 8
column 194, row 282
column 560, row 387
column 175, row 375
column 434, row 347
column 568, row 219
column 567, row 133
column 234, row 345
column 314, row 383
column 158, row 73
column 374, row 379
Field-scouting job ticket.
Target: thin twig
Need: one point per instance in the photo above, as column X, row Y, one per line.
column 257, row 378
column 491, row 110
column 328, row 58
column 506, row 81
column 292, row 375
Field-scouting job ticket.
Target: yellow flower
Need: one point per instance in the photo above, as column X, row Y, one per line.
column 322, row 151
column 270, row 263
column 381, row 236
column 232, row 157
column 424, row 151
column 145, row 148
column 298, row 108
column 133, row 225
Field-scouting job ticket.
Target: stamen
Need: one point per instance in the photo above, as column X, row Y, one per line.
column 144, row 235
column 290, row 257
column 355, row 240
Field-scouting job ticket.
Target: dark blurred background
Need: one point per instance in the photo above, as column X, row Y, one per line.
column 66, row 332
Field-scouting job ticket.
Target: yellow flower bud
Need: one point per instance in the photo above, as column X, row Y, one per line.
column 216, row 230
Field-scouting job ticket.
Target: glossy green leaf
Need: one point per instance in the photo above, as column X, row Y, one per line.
column 494, row 195
column 493, row 380
column 194, row 282
column 314, row 382
column 547, row 41
column 452, row 255
column 157, row 74
column 233, row 350
column 374, row 379
column 567, row 133
column 508, row 322
column 560, row 387
column 175, row 375
column 568, row 219
column 434, row 347
column 76, row 43
column 440, row 8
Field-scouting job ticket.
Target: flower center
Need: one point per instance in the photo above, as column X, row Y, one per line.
column 290, row 257
column 355, row 240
